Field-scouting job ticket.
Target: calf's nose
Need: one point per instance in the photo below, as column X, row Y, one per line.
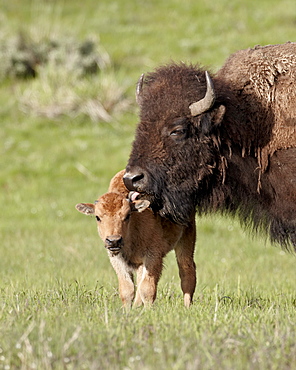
column 135, row 179
column 113, row 242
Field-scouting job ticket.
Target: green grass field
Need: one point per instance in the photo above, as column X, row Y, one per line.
column 59, row 303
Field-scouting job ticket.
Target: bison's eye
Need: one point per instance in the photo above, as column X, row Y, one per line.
column 98, row 218
column 178, row 133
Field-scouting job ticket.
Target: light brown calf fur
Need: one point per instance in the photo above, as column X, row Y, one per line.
column 137, row 241
column 117, row 185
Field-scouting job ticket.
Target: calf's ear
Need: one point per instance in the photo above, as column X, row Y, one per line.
column 86, row 208
column 140, row 205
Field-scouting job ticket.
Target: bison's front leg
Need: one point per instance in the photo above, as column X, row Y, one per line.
column 185, row 259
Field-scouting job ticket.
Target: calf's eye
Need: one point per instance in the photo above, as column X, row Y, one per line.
column 98, row 218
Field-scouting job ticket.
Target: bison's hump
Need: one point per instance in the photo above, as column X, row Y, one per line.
column 266, row 74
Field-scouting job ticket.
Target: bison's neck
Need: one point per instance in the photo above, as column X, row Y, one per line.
column 229, row 185
column 236, row 187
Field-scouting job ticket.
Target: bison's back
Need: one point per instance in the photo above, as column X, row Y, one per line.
column 263, row 79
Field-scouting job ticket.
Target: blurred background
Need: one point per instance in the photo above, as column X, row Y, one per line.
column 67, row 112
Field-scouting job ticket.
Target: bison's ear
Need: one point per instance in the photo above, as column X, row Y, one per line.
column 140, row 205
column 218, row 115
column 86, row 208
column 212, row 119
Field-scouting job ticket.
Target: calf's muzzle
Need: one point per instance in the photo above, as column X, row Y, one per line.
column 114, row 243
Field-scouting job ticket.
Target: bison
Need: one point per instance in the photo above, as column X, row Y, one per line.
column 222, row 142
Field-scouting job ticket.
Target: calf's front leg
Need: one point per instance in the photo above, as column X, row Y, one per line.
column 138, row 300
column 125, row 280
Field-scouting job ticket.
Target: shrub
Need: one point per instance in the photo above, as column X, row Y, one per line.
column 23, row 57
column 63, row 77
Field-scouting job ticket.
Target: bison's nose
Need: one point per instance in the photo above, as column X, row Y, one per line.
column 113, row 242
column 135, row 179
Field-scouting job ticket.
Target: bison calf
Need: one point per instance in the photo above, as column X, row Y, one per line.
column 137, row 240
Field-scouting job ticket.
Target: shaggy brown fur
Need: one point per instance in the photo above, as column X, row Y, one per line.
column 137, row 240
column 268, row 74
column 239, row 156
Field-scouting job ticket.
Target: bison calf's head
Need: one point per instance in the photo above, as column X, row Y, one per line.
column 113, row 213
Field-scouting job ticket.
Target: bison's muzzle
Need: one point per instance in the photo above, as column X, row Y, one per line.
column 135, row 179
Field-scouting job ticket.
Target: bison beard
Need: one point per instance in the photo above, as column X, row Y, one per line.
column 228, row 145
column 165, row 200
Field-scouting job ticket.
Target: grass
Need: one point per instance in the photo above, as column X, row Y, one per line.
column 72, row 326
column 59, row 303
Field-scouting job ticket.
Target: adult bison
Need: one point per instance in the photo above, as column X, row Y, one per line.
column 226, row 143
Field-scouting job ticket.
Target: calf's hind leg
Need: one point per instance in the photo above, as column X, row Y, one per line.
column 185, row 259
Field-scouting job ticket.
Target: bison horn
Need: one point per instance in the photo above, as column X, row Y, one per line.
column 207, row 102
column 139, row 89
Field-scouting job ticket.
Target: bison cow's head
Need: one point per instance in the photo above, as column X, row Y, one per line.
column 174, row 152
